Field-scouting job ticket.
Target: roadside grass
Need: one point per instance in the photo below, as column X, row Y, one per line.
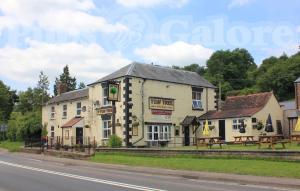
column 225, row 164
column 288, row 147
column 11, row 146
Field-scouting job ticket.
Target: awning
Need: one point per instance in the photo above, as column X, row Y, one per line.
column 190, row 120
column 72, row 122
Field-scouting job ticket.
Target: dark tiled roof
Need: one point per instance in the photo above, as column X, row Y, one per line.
column 72, row 122
column 288, row 105
column 72, row 95
column 160, row 73
column 298, row 80
column 239, row 106
column 189, row 120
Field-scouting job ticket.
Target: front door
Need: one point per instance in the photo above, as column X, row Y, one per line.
column 79, row 135
column 186, row 136
column 222, row 129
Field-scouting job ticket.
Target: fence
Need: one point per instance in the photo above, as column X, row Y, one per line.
column 62, row 143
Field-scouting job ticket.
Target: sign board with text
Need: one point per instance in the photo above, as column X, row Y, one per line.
column 161, row 103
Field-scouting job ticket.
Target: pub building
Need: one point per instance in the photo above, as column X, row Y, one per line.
column 144, row 104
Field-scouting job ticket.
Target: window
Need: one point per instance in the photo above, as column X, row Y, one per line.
column 52, row 128
column 106, row 129
column 67, row 134
column 196, row 99
column 237, row 124
column 159, row 132
column 254, row 122
column 52, row 131
column 52, row 114
column 105, row 95
column 78, row 109
column 65, row 107
column 52, row 134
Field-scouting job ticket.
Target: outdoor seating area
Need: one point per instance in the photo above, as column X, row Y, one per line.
column 244, row 140
column 209, row 142
column 272, row 140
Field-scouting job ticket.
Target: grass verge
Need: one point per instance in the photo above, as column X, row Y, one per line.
column 11, row 146
column 248, row 166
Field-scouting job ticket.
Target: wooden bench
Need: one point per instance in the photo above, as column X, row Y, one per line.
column 244, row 140
column 271, row 141
column 209, row 142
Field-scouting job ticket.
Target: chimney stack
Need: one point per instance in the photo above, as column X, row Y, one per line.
column 61, row 88
column 297, row 93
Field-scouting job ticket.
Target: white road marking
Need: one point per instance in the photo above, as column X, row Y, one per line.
column 119, row 184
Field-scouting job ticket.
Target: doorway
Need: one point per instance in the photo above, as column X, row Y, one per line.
column 222, row 129
column 79, row 135
column 186, row 136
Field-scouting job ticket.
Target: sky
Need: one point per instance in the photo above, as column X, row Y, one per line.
column 97, row 37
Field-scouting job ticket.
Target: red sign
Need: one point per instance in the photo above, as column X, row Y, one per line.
column 161, row 112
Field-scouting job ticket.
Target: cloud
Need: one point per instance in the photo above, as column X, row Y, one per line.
column 70, row 16
column 179, row 53
column 238, row 3
column 88, row 62
column 151, row 3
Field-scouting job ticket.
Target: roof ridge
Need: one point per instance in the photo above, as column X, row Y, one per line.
column 75, row 90
column 130, row 69
column 254, row 94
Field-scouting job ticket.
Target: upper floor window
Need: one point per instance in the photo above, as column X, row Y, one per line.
column 196, row 98
column 52, row 114
column 237, row 124
column 105, row 95
column 65, row 107
column 78, row 108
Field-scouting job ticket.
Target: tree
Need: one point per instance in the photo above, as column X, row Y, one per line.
column 65, row 79
column 43, row 87
column 233, row 69
column 7, row 99
column 192, row 68
column 81, row 85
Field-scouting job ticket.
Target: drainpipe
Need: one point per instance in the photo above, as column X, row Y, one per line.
column 143, row 113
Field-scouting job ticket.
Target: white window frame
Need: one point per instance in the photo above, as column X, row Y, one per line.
column 158, row 132
column 237, row 123
column 65, row 110
column 106, row 129
column 78, row 109
column 52, row 112
column 196, row 100
column 104, row 100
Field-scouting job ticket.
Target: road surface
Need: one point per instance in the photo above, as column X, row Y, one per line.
column 22, row 173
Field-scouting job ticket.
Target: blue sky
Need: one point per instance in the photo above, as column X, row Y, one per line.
column 96, row 37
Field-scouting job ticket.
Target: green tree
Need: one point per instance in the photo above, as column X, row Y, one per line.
column 7, row 98
column 81, row 85
column 192, row 68
column 65, row 79
column 233, row 69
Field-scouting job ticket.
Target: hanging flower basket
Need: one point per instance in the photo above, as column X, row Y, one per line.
column 211, row 127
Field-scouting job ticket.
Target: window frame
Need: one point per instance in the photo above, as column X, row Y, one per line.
column 158, row 132
column 105, row 96
column 237, row 123
column 106, row 129
column 65, row 110
column 78, row 109
column 52, row 112
column 197, row 98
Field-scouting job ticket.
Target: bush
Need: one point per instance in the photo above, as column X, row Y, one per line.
column 114, row 141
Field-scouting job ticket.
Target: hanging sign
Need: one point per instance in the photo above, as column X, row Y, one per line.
column 113, row 91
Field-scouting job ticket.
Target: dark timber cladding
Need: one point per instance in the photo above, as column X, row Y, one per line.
column 127, row 113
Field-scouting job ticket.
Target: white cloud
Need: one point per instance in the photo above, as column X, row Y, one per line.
column 88, row 62
column 178, row 53
column 152, row 3
column 70, row 16
column 238, row 3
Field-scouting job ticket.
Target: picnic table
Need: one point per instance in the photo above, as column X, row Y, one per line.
column 209, row 141
column 295, row 138
column 271, row 141
column 246, row 139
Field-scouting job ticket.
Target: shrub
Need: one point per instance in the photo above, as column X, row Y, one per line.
column 114, row 141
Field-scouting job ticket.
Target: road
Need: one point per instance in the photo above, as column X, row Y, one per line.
column 22, row 173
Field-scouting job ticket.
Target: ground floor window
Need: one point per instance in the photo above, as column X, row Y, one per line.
column 237, row 124
column 106, row 129
column 159, row 132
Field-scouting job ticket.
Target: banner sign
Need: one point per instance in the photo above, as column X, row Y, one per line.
column 104, row 111
column 161, row 103
column 161, row 112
